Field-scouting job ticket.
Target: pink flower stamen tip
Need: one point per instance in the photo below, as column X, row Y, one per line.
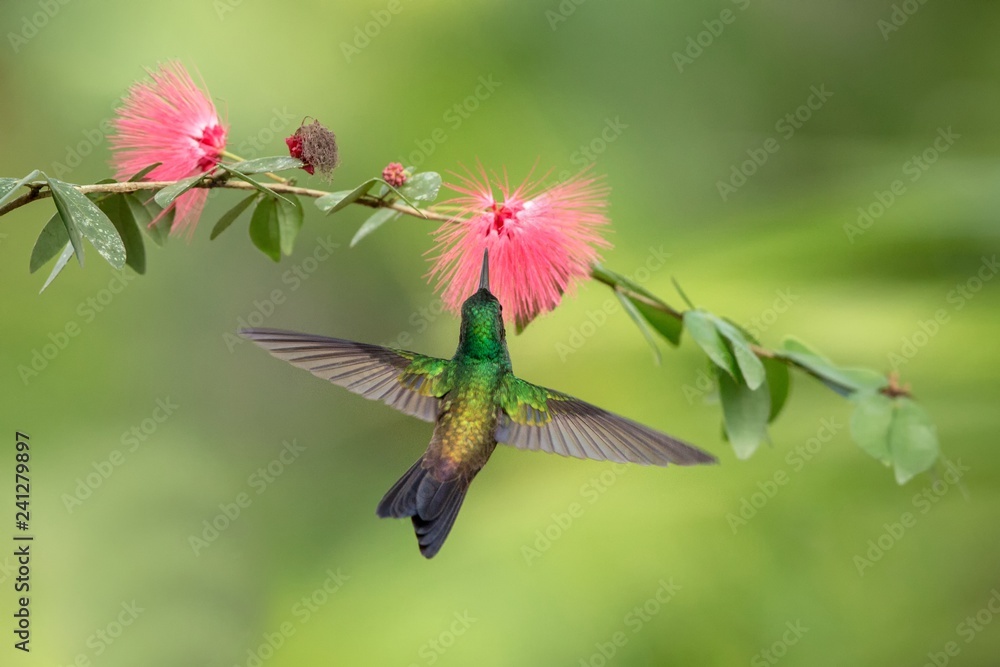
column 168, row 119
column 542, row 241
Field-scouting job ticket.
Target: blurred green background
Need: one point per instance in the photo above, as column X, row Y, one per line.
column 652, row 571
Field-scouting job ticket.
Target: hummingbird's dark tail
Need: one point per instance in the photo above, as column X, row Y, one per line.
column 433, row 505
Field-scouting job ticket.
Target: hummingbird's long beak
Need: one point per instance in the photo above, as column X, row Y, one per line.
column 484, row 277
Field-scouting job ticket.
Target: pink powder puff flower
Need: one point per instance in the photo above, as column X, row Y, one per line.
column 541, row 241
column 169, row 120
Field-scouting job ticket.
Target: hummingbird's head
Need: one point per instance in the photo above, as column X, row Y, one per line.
column 483, row 333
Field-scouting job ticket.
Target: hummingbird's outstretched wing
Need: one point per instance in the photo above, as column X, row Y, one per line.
column 541, row 419
column 407, row 381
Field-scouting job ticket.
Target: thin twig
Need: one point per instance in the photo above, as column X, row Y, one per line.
column 39, row 190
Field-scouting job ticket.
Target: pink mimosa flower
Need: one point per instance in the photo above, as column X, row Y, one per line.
column 170, row 120
column 541, row 241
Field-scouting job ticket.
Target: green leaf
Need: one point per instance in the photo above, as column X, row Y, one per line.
column 230, row 216
column 262, row 165
column 636, row 316
column 290, row 218
column 160, row 232
column 422, row 187
column 140, row 213
column 896, row 431
column 336, row 201
column 844, row 381
column 83, row 215
column 50, row 243
column 143, row 216
column 167, row 195
column 863, row 378
column 376, row 220
column 669, row 326
column 260, row 187
column 75, row 237
column 792, row 344
column 743, row 330
column 870, row 423
column 913, row 442
column 745, row 412
column 8, row 186
column 67, row 252
column 750, row 364
column 142, row 173
column 264, row 230
column 778, row 383
column 118, row 211
column 701, row 326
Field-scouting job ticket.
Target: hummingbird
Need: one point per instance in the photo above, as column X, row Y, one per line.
column 475, row 401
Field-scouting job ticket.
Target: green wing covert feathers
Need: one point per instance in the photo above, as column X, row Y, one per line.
column 475, row 401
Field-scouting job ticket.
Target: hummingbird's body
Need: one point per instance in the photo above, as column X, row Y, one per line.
column 475, row 401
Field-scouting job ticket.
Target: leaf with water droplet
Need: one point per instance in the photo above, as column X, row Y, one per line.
column 83, row 215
